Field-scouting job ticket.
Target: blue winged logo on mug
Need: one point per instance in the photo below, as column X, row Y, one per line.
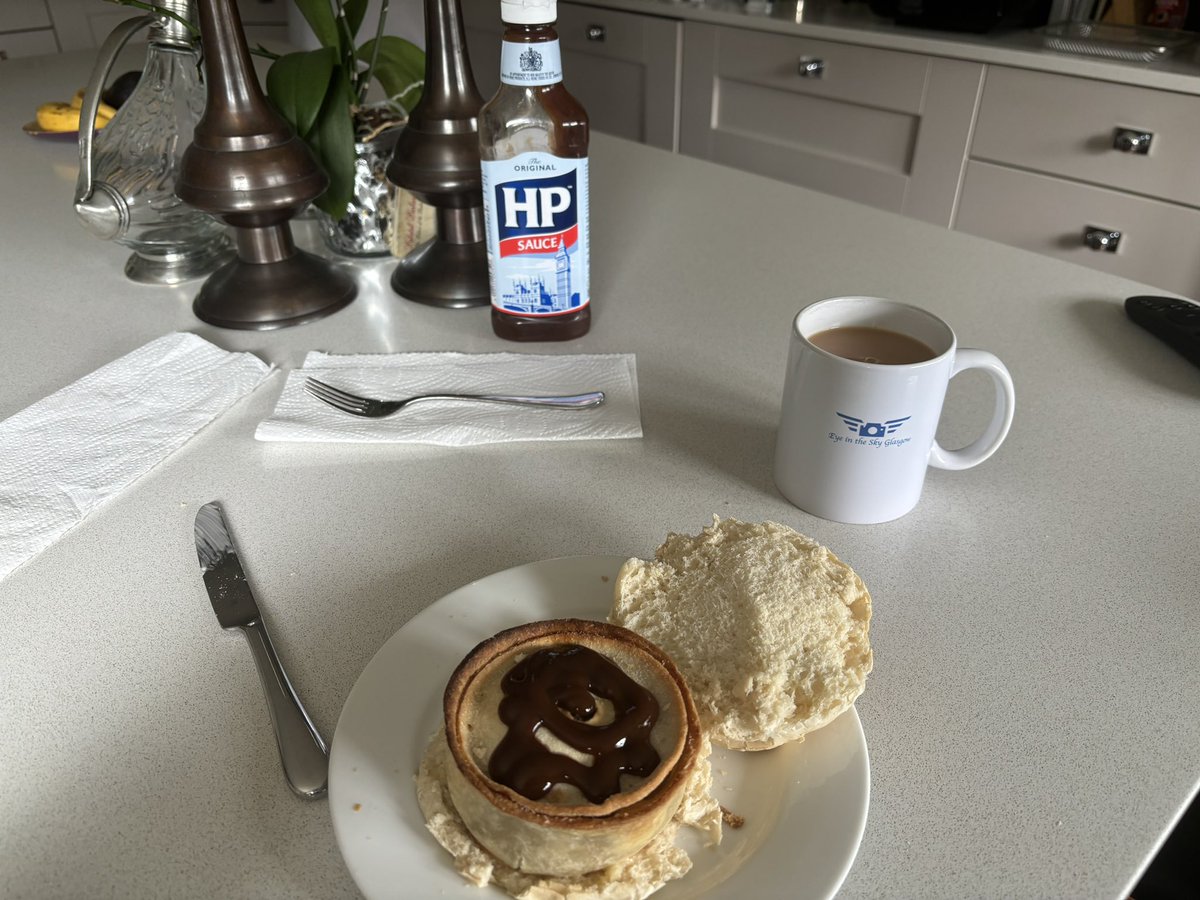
column 871, row 429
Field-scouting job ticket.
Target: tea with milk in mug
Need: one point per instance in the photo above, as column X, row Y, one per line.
column 872, row 345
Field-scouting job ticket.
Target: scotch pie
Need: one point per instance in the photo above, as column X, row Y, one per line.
column 571, row 743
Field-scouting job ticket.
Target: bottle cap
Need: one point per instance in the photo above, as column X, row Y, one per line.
column 529, row 12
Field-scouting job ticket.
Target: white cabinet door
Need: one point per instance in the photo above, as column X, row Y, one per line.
column 80, row 24
column 881, row 127
column 27, row 43
column 23, row 15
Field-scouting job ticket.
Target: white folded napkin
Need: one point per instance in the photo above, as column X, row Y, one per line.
column 67, row 454
column 394, row 376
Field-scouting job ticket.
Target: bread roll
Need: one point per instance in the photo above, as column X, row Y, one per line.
column 769, row 628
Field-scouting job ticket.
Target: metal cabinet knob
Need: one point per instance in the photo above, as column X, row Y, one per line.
column 1131, row 140
column 1101, row 238
column 811, row 67
column 595, row 33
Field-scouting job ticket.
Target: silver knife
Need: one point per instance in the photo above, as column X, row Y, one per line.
column 304, row 754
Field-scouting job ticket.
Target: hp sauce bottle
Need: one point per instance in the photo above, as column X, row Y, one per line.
column 533, row 139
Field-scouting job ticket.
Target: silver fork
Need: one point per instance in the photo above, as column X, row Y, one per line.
column 374, row 409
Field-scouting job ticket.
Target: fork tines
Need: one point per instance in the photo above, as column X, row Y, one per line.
column 335, row 397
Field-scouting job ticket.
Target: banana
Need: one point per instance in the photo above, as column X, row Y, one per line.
column 58, row 117
column 65, row 116
column 77, row 100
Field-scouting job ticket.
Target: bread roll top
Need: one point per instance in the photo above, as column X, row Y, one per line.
column 769, row 628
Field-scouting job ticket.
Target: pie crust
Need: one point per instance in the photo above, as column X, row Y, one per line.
column 563, row 833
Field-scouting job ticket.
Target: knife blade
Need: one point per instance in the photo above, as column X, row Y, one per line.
column 302, row 750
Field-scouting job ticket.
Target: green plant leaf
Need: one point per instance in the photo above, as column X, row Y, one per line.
column 354, row 11
column 299, row 83
column 320, row 18
column 332, row 139
column 399, row 68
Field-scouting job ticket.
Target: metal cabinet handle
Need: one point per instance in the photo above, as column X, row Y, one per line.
column 812, row 67
column 1101, row 238
column 1132, row 140
column 595, row 33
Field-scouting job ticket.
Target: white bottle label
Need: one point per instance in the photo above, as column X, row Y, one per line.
column 536, row 214
column 530, row 65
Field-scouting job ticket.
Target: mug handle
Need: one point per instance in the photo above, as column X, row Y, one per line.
column 988, row 442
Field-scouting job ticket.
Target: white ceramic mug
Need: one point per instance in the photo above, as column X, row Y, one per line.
column 855, row 438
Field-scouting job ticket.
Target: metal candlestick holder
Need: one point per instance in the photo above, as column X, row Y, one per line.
column 437, row 160
column 246, row 166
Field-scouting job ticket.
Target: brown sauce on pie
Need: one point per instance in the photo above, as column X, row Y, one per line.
column 556, row 688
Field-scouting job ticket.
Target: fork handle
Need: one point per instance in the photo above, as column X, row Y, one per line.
column 574, row 401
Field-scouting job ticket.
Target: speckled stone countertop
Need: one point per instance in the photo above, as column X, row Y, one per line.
column 1031, row 718
column 855, row 24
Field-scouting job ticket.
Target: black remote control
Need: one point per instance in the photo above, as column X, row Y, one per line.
column 1176, row 322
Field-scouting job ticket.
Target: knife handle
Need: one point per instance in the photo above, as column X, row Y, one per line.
column 303, row 752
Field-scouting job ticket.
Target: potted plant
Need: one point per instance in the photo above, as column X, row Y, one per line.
column 323, row 92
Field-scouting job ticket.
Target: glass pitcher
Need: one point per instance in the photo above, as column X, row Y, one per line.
column 126, row 186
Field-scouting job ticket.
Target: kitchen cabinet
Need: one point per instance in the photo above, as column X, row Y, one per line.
column 81, row 24
column 1096, row 173
column 623, row 67
column 997, row 138
column 882, row 127
column 25, row 30
column 14, row 44
column 24, row 16
column 1158, row 243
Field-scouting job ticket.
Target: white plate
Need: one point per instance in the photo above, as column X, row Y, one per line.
column 805, row 804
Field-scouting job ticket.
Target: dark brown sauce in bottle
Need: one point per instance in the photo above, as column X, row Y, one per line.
column 556, row 689
column 548, row 119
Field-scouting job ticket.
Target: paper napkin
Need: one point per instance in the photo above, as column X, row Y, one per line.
column 301, row 417
column 67, row 454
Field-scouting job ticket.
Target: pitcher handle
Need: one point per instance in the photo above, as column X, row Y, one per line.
column 91, row 98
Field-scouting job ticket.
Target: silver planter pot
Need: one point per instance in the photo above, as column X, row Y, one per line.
column 364, row 229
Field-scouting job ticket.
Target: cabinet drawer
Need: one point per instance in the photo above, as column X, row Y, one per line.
column 27, row 43
column 850, row 132
column 883, row 79
column 24, row 16
column 604, row 33
column 1066, row 126
column 880, row 127
column 624, row 69
column 1159, row 244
